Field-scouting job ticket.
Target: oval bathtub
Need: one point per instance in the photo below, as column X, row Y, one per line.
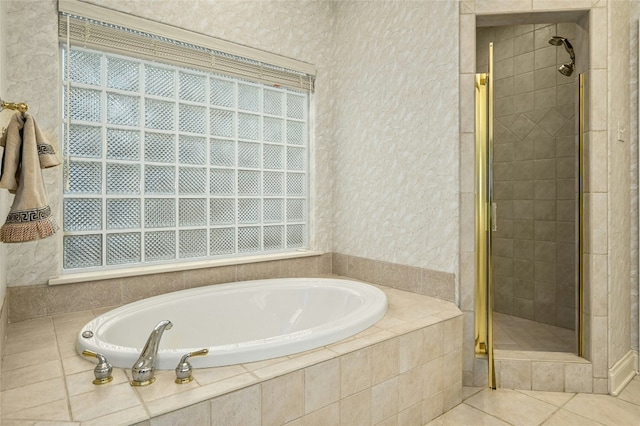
column 238, row 322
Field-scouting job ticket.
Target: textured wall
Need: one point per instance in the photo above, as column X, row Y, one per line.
column 534, row 174
column 297, row 29
column 32, row 77
column 396, row 132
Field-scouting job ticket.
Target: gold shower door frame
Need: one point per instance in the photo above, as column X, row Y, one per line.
column 484, row 212
column 486, row 220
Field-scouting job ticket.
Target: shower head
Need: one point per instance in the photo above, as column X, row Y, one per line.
column 565, row 69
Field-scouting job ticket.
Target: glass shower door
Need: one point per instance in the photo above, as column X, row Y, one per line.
column 485, row 210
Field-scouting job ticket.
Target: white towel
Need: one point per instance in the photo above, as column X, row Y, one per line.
column 26, row 152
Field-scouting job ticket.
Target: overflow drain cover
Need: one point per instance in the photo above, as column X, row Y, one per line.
column 87, row 334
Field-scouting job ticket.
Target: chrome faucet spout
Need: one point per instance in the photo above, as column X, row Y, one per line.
column 142, row 371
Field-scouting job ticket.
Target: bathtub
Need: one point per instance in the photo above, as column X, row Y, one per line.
column 238, row 322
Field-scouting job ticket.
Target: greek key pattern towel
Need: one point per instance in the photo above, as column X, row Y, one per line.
column 26, row 152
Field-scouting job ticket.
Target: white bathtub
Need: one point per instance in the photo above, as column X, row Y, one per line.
column 238, row 322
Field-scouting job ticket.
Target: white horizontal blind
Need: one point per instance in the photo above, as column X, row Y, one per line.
column 166, row 163
column 92, row 33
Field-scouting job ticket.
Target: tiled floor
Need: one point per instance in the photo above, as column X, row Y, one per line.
column 519, row 334
column 509, row 407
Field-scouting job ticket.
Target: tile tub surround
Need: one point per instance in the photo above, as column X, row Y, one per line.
column 407, row 369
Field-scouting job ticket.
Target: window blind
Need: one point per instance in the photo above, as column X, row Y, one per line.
column 159, row 46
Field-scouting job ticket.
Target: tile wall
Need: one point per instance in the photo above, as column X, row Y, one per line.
column 534, row 172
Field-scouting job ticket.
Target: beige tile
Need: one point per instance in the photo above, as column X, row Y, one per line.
column 301, row 267
column 452, row 396
column 198, row 414
column 26, row 397
column 293, row 364
column 555, row 398
column 432, row 407
column 567, row 418
column 384, row 400
column 452, row 368
column 257, row 271
column 108, row 400
column 83, row 382
column 52, row 411
column 513, row 374
column 411, row 416
column 208, row 276
column 135, row 415
column 512, row 406
column 355, row 410
column 433, row 377
column 26, row 303
column 452, row 335
column 384, row 360
column 31, row 374
column 283, row 399
column 163, row 386
column 327, row 416
column 410, row 388
column 67, row 298
column 205, row 376
column 464, row 414
column 547, row 376
column 145, row 286
column 76, row 364
column 199, row 394
column 604, row 409
column 31, row 341
column 340, row 264
column 242, row 407
column 25, row 359
column 321, row 385
column 410, row 351
column 631, row 392
column 578, row 378
column 355, row 372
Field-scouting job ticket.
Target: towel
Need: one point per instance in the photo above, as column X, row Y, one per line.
column 26, row 152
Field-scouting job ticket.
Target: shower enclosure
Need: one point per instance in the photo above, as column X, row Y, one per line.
column 527, row 190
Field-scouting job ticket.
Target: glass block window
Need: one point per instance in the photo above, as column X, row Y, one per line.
column 167, row 164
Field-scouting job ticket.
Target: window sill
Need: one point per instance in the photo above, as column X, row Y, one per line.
column 174, row 267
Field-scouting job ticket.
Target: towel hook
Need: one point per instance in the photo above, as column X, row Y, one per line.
column 22, row 107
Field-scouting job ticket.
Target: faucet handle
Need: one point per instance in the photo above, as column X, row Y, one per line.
column 103, row 370
column 183, row 370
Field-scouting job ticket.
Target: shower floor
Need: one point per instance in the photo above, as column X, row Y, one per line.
column 519, row 334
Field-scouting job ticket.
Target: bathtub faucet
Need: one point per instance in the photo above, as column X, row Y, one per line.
column 142, row 371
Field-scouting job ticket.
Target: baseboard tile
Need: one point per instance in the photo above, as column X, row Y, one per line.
column 623, row 372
